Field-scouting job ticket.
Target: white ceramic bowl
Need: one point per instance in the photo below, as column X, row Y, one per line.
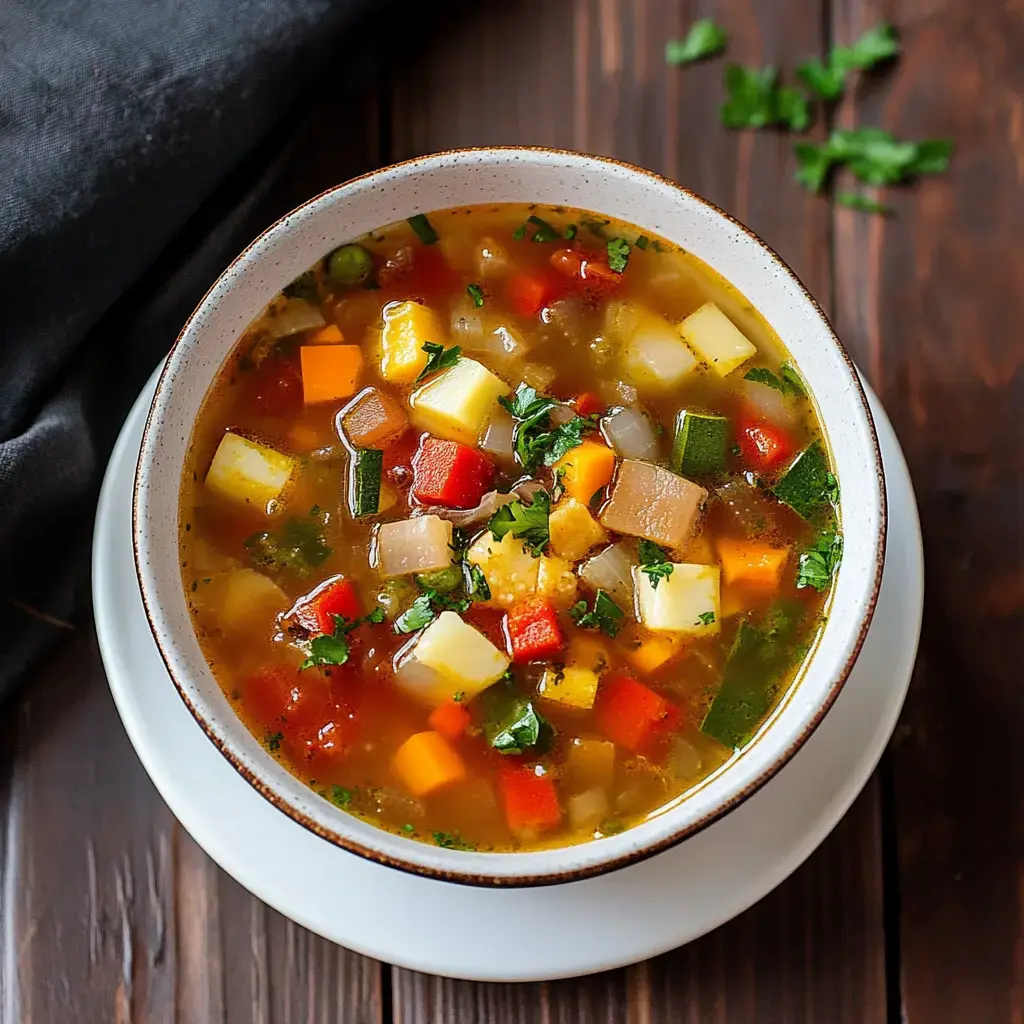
column 470, row 177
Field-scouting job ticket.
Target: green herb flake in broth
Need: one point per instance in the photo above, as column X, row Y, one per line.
column 786, row 382
column 451, row 841
column 570, row 232
column 424, row 229
column 706, row 38
column 341, row 796
column 618, row 254
column 605, row 616
column 273, row 740
column 545, row 232
column 298, row 546
column 330, row 648
column 439, row 358
column 528, row 523
column 654, row 562
column 818, row 564
column 420, row 614
column 476, row 293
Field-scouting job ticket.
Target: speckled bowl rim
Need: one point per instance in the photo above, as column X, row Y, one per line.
column 650, row 849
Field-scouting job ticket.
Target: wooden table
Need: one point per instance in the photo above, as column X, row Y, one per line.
column 913, row 909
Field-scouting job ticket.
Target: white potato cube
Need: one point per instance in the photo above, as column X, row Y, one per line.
column 460, row 654
column 685, row 602
column 248, row 473
column 246, row 599
column 456, row 403
column 419, row 544
column 654, row 358
column 507, row 565
column 716, row 339
column 574, row 531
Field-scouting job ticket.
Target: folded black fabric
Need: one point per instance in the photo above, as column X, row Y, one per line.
column 119, row 121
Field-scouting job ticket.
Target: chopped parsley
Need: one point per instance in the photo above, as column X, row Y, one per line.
column 476, row 293
column 519, row 234
column 596, row 227
column 518, row 730
column 298, row 546
column 654, row 562
column 757, row 100
column 605, row 616
column 451, row 841
column 330, row 648
column 706, row 38
column 706, row 618
column 528, row 523
column 341, row 796
column 618, row 254
column 439, row 358
column 536, row 441
column 419, row 614
column 817, row 565
column 424, row 229
column 570, row 232
column 459, row 696
column 408, row 829
column 542, row 231
column 376, row 617
column 787, row 381
column 274, row 741
column 476, row 585
column 611, row 827
column 827, row 80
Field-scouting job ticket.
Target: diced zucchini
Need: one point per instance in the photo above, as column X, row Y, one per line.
column 716, row 339
column 408, row 326
column 745, row 694
column 248, row 473
column 804, row 486
column 367, row 467
column 687, row 601
column 419, row 544
column 574, row 687
column 444, row 581
column 509, row 568
column 456, row 403
column 700, row 445
column 460, row 654
column 574, row 531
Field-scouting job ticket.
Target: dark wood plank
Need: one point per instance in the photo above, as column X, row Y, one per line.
column 929, row 301
column 814, row 950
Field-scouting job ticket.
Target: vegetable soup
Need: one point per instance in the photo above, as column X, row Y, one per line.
column 505, row 527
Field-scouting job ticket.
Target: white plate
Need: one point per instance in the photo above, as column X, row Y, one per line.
column 492, row 934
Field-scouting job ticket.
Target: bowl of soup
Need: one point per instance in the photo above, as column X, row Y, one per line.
column 508, row 515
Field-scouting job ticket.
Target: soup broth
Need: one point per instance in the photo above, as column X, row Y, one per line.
column 506, row 527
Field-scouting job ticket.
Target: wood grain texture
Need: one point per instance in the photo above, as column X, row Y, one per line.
column 929, row 302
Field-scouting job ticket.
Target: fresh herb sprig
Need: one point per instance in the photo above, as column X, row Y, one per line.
column 606, row 615
column 654, row 562
column 528, row 523
column 438, row 358
column 818, row 564
column 424, row 229
column 827, row 80
column 787, row 381
column 706, row 38
column 536, row 441
column 333, row 648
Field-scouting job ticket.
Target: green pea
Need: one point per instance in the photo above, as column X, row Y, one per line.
column 349, row 264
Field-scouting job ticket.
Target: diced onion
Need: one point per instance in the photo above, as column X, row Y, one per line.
column 588, row 809
column 466, row 325
column 289, row 316
column 611, row 570
column 618, row 392
column 416, row 679
column 602, row 348
column 499, row 346
column 491, row 258
column 562, row 413
column 621, row 320
column 497, row 437
column 630, row 433
column 770, row 404
column 564, row 319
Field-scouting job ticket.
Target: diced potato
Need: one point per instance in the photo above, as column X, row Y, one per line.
column 588, row 809
column 716, row 339
column 574, row 687
column 373, row 419
column 425, row 762
column 460, row 654
column 246, row 599
column 408, row 326
column 556, row 581
column 588, row 467
column 509, row 568
column 654, row 358
column 651, row 501
column 456, row 403
column 248, row 473
column 655, row 652
column 574, row 531
column 423, row 683
column 419, row 544
column 686, row 602
column 590, row 763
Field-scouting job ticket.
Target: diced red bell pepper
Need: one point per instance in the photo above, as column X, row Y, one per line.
column 449, row 473
column 588, row 404
column 531, row 801
column 586, row 268
column 763, row 445
column 429, row 276
column 529, row 291
column 450, row 720
column 626, row 711
column 533, row 630
column 336, row 596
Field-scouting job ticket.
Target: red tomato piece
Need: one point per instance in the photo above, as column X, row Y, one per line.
column 430, row 276
column 529, row 291
column 626, row 711
column 763, row 445
column 586, row 268
column 655, row 744
column 449, row 473
column 588, row 404
column 531, row 801
column 277, row 387
column 268, row 692
column 533, row 630
column 450, row 720
column 336, row 596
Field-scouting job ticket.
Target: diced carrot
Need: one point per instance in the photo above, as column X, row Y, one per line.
column 654, row 746
column 449, row 719
column 329, row 372
column 533, row 630
column 531, row 801
column 373, row 419
column 329, row 335
column 588, row 404
column 626, row 711
column 529, row 291
column 425, row 762
column 753, row 564
column 653, row 653
column 587, row 269
column 317, row 609
column 588, row 467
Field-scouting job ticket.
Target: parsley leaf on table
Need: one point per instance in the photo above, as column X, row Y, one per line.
column 440, row 358
column 706, row 38
column 863, row 204
column 605, row 616
column 818, row 564
column 654, row 562
column 827, row 80
column 757, row 100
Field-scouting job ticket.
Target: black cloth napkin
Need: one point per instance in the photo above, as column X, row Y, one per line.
column 130, row 174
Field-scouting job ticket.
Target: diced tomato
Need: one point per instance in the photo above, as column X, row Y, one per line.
column 626, row 711
column 531, row 801
column 588, row 404
column 533, row 630
column 449, row 719
column 449, row 473
column 763, row 445
column 655, row 744
column 490, row 622
column 336, row 596
column 277, row 387
column 529, row 291
column 587, row 269
column 429, row 277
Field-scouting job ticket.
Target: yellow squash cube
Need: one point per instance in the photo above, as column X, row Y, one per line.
column 655, row 652
column 408, row 326
column 456, row 403
column 460, row 654
column 574, row 531
column 685, row 602
column 556, row 581
column 574, row 687
column 248, row 473
column 716, row 339
column 509, row 568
